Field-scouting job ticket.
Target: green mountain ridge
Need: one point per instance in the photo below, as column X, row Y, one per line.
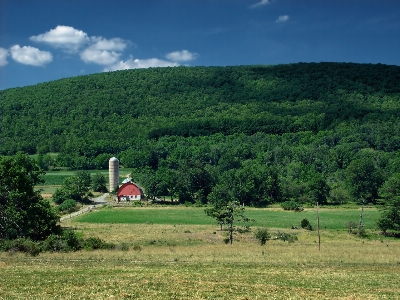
column 306, row 132
column 193, row 101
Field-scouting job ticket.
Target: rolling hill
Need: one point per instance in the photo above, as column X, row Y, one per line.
column 307, row 121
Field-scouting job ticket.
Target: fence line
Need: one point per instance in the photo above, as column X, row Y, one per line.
column 79, row 212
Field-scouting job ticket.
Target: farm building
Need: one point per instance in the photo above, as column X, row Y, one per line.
column 129, row 191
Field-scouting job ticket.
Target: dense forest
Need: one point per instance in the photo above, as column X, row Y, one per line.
column 326, row 132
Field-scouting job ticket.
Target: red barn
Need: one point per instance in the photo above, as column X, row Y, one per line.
column 129, row 191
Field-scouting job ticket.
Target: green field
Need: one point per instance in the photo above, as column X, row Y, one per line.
column 57, row 177
column 330, row 218
column 191, row 262
column 178, row 253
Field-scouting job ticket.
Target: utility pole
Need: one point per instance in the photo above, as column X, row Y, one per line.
column 319, row 236
column 361, row 224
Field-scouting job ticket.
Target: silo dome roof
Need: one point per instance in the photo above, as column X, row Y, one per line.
column 113, row 159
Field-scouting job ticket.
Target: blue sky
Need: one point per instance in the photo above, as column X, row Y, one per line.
column 43, row 40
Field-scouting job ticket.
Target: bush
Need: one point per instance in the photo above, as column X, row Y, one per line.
column 137, row 248
column 286, row 237
column 59, row 196
column 72, row 240
column 123, row 247
column 291, row 205
column 24, row 245
column 68, row 206
column 66, row 242
column 355, row 228
column 306, row 224
column 94, row 243
column 262, row 235
column 351, row 226
column 226, row 240
column 54, row 243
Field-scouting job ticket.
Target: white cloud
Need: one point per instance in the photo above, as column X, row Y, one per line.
column 98, row 50
column 101, row 57
column 261, row 3
column 65, row 37
column 181, row 56
column 30, row 56
column 103, row 51
column 140, row 63
column 282, row 19
column 3, row 56
column 115, row 44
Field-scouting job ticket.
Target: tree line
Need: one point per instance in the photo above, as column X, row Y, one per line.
column 307, row 132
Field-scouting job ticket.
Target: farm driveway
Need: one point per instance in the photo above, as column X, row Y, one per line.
column 99, row 201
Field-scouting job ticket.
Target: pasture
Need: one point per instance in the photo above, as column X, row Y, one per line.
column 188, row 260
column 330, row 218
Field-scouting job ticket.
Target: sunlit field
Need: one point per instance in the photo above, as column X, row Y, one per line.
column 190, row 261
column 330, row 218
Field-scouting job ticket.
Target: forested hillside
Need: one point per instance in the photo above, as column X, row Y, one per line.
column 309, row 131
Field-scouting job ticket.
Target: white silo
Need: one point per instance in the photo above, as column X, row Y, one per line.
column 113, row 173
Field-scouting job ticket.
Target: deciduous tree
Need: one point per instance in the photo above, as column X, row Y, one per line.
column 99, row 183
column 229, row 215
column 23, row 212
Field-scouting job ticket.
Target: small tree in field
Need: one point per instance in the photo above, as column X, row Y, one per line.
column 305, row 224
column 263, row 235
column 230, row 215
column 218, row 214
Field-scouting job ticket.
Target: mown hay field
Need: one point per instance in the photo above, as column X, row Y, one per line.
column 330, row 218
column 190, row 261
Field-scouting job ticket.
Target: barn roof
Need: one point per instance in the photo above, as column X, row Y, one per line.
column 129, row 188
column 126, row 180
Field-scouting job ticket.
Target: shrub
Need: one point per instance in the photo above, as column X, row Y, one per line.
column 262, row 235
column 306, row 224
column 59, row 196
column 94, row 243
column 351, row 226
column 68, row 206
column 355, row 228
column 291, row 205
column 72, row 240
column 24, row 245
column 66, row 242
column 137, row 248
column 124, row 247
column 54, row 243
column 226, row 240
column 361, row 231
column 286, row 237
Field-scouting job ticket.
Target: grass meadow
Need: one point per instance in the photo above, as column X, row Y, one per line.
column 170, row 255
column 330, row 218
